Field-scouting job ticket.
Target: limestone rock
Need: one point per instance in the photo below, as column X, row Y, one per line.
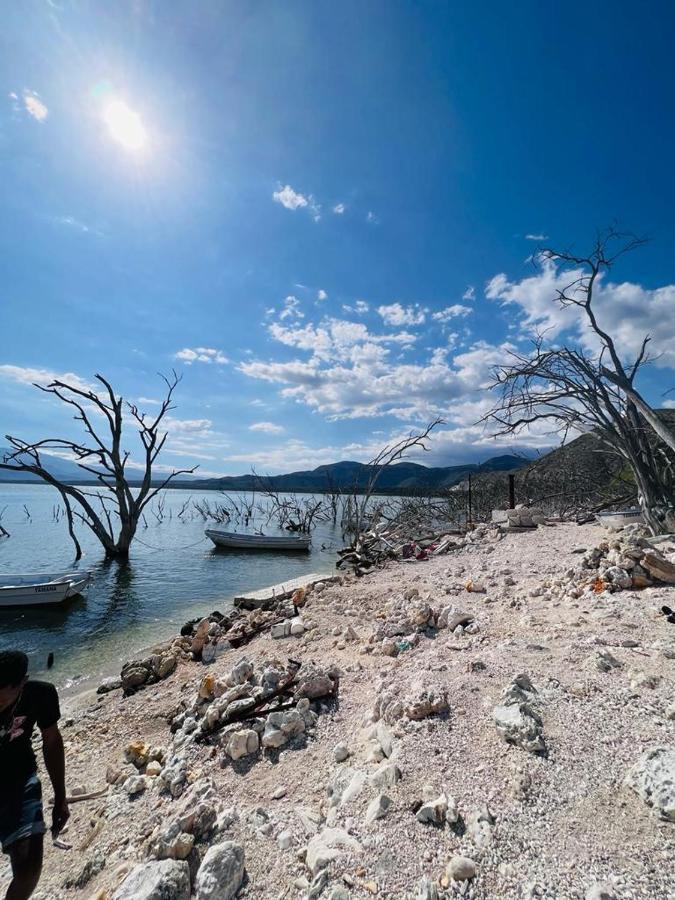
column 378, row 808
column 653, row 779
column 461, row 868
column 340, row 753
column 109, row 684
column 221, row 872
column 387, row 775
column 605, row 662
column 600, row 892
column 165, row 880
column 659, row 567
column 434, row 812
column 328, row 845
column 242, row 743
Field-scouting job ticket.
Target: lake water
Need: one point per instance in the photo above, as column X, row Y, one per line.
column 173, row 574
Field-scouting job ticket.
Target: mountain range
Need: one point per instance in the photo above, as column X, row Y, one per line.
column 345, row 475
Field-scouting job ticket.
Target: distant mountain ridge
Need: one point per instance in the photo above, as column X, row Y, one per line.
column 347, row 475
column 344, row 475
column 63, row 469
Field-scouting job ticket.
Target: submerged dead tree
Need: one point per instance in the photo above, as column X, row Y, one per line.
column 113, row 511
column 576, row 389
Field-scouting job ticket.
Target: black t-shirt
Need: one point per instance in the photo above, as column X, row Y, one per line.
column 37, row 705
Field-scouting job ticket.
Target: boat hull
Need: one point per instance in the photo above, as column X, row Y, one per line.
column 233, row 541
column 45, row 594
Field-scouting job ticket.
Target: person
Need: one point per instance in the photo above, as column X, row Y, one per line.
column 25, row 703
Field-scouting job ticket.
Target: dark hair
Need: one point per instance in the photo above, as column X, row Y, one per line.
column 13, row 667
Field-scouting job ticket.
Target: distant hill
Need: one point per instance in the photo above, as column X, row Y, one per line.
column 347, row 475
column 583, row 472
column 63, row 469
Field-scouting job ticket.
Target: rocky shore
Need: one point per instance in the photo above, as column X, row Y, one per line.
column 495, row 721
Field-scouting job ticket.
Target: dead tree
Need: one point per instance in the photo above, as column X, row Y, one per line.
column 578, row 390
column 112, row 512
column 357, row 509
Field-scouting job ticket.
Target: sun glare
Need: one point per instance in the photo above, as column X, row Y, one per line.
column 124, row 125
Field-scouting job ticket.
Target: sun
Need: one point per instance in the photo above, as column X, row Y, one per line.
column 125, row 125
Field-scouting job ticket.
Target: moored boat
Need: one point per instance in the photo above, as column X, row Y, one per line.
column 234, row 541
column 618, row 518
column 44, row 587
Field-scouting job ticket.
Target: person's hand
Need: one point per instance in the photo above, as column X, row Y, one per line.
column 60, row 815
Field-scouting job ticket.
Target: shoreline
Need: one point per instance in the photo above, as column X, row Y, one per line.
column 366, row 795
column 89, row 683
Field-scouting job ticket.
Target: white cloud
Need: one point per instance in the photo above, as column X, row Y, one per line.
column 266, row 427
column 627, row 310
column 360, row 308
column 396, row 314
column 201, row 354
column 291, row 309
column 289, row 198
column 536, row 237
column 293, row 200
column 187, row 426
column 452, row 312
column 72, row 222
column 357, row 378
column 339, row 209
column 321, row 294
column 28, row 375
column 372, row 218
column 669, row 404
column 34, row 106
column 149, row 401
column 470, row 293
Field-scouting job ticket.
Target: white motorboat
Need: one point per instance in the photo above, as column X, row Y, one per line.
column 619, row 518
column 45, row 587
column 234, row 541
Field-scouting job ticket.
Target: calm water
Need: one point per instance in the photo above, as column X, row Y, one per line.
column 127, row 607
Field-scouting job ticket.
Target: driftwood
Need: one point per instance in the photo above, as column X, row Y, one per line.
column 257, row 707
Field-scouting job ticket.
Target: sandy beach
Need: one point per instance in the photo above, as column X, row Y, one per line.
column 496, row 758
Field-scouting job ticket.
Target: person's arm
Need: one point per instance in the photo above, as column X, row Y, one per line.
column 55, row 762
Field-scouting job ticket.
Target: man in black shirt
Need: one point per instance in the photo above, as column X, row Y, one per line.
column 24, row 704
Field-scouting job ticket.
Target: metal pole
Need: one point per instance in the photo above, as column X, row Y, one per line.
column 512, row 491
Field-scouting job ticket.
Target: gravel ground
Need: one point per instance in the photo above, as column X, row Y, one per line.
column 561, row 822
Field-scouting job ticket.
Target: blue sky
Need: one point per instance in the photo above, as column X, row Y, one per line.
column 321, row 214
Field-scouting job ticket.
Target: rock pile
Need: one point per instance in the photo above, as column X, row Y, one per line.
column 408, row 616
column 249, row 710
column 627, row 561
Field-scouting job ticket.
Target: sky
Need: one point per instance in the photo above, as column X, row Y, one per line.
column 324, row 216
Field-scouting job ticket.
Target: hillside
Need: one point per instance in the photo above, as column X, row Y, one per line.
column 583, row 471
column 347, row 475
column 63, row 469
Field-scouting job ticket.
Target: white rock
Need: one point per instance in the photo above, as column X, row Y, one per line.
column 653, row 779
column 461, row 868
column 517, row 722
column 433, row 811
column 328, row 845
column 136, row 784
column 340, row 753
column 378, row 808
column 242, row 743
column 221, row 872
column 165, row 880
column 387, row 775
column 285, row 840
